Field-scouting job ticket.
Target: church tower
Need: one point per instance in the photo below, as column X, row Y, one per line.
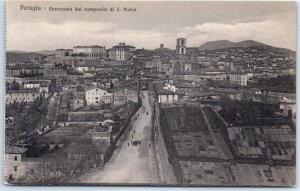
column 181, row 46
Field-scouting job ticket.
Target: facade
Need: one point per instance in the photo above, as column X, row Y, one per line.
column 43, row 86
column 13, row 161
column 181, row 46
column 23, row 70
column 161, row 47
column 98, row 96
column 50, row 57
column 90, row 51
column 170, row 87
column 121, row 52
column 153, row 64
column 23, row 95
column 63, row 53
column 102, row 134
column 48, row 65
column 213, row 75
column 124, row 95
column 167, row 98
column 238, row 79
column 53, row 72
column 77, row 102
column 186, row 76
column 81, row 68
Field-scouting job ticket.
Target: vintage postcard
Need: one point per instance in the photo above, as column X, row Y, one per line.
column 157, row 93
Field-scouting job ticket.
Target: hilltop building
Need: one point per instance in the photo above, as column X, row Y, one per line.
column 90, row 51
column 121, row 52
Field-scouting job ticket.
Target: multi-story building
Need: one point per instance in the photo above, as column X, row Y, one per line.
column 238, row 79
column 152, row 63
column 170, row 87
column 90, row 51
column 124, row 95
column 63, row 53
column 167, row 97
column 82, row 68
column 212, row 75
column 23, row 95
column 19, row 70
column 98, row 96
column 120, row 52
column 13, row 161
column 41, row 85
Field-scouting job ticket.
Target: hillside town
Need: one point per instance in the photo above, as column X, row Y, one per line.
column 185, row 115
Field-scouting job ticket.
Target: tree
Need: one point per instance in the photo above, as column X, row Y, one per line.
column 67, row 165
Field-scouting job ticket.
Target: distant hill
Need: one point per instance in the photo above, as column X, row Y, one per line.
column 17, row 56
column 249, row 43
column 223, row 44
column 46, row 52
column 219, row 44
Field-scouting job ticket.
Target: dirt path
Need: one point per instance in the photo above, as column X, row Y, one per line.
column 133, row 163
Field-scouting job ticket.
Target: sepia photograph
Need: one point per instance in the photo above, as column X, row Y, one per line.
column 152, row 93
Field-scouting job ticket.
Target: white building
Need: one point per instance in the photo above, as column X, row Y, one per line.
column 42, row 86
column 238, row 79
column 213, row 75
column 90, row 51
column 165, row 96
column 82, row 68
column 120, row 52
column 170, row 87
column 23, row 95
column 98, row 96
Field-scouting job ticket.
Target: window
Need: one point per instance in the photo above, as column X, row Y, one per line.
column 16, row 158
column 15, row 168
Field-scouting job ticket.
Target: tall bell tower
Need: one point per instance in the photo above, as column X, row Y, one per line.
column 181, row 46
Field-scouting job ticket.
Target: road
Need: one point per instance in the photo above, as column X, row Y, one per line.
column 133, row 164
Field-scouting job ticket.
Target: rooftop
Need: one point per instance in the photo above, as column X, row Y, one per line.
column 94, row 46
column 14, row 150
column 22, row 91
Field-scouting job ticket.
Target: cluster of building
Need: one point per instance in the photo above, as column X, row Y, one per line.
column 26, row 91
column 120, row 52
column 91, row 91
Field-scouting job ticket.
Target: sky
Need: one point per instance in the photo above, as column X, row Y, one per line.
column 152, row 24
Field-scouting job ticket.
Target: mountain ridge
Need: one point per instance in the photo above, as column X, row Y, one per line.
column 223, row 44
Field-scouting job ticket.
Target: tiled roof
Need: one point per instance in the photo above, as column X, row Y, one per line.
column 15, row 150
column 22, row 91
